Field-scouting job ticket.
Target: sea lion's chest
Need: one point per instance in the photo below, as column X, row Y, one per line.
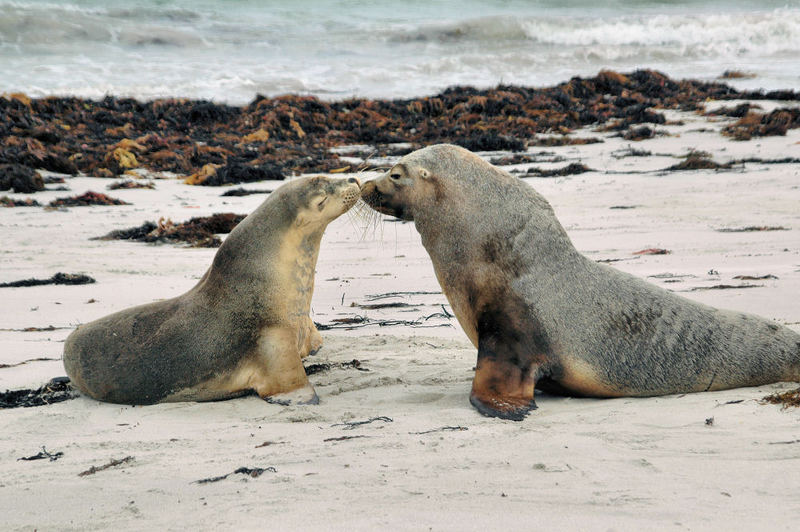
column 293, row 277
column 467, row 292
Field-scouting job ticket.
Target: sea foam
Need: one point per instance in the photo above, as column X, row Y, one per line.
column 232, row 50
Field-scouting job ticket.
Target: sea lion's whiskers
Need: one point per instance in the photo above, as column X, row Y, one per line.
column 360, row 216
column 371, row 219
column 361, row 211
column 362, row 219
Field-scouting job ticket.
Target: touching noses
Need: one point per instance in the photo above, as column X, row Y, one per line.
column 354, row 180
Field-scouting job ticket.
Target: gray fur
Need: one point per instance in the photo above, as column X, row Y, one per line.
column 497, row 244
column 151, row 352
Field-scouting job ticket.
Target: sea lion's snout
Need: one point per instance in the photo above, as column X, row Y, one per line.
column 369, row 193
column 350, row 193
column 382, row 196
column 367, row 189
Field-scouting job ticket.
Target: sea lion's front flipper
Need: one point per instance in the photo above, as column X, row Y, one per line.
column 313, row 340
column 301, row 396
column 503, row 383
column 280, row 377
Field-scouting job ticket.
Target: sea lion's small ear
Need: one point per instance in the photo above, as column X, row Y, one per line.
column 424, row 174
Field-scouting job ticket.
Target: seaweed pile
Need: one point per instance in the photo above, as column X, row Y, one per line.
column 130, row 183
column 698, row 161
column 198, row 232
column 274, row 137
column 86, row 199
column 754, row 124
column 58, row 278
column 20, row 179
column 55, row 391
column 570, row 169
column 5, row 201
column 785, row 399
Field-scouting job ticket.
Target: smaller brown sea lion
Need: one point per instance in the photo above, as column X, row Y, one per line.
column 244, row 327
column 541, row 314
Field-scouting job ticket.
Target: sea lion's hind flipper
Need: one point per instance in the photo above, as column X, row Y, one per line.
column 503, row 384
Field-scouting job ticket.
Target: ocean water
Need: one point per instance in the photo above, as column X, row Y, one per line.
column 231, row 50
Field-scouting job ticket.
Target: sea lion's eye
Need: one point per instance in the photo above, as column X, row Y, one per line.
column 321, row 203
column 396, row 172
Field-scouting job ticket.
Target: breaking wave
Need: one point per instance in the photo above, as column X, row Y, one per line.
column 230, row 50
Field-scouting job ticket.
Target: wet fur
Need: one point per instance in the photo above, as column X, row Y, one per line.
column 540, row 312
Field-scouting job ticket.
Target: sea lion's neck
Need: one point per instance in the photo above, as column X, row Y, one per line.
column 482, row 247
column 297, row 266
column 253, row 244
column 266, row 267
column 519, row 228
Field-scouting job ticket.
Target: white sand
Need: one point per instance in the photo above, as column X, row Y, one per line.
column 621, row 464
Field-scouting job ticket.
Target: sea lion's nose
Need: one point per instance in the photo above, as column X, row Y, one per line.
column 354, row 180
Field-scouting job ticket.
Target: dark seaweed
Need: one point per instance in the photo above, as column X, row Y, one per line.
column 59, row 278
column 198, row 232
column 55, row 391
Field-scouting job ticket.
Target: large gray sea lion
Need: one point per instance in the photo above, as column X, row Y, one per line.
column 245, row 325
column 543, row 315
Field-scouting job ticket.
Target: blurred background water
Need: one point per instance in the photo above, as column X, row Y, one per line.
column 231, row 50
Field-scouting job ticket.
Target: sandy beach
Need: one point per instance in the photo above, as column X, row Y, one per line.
column 394, row 442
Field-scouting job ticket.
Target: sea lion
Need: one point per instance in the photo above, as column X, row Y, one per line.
column 244, row 327
column 543, row 315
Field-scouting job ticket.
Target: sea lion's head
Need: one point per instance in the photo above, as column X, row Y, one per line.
column 322, row 199
column 399, row 192
column 422, row 180
column 454, row 196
